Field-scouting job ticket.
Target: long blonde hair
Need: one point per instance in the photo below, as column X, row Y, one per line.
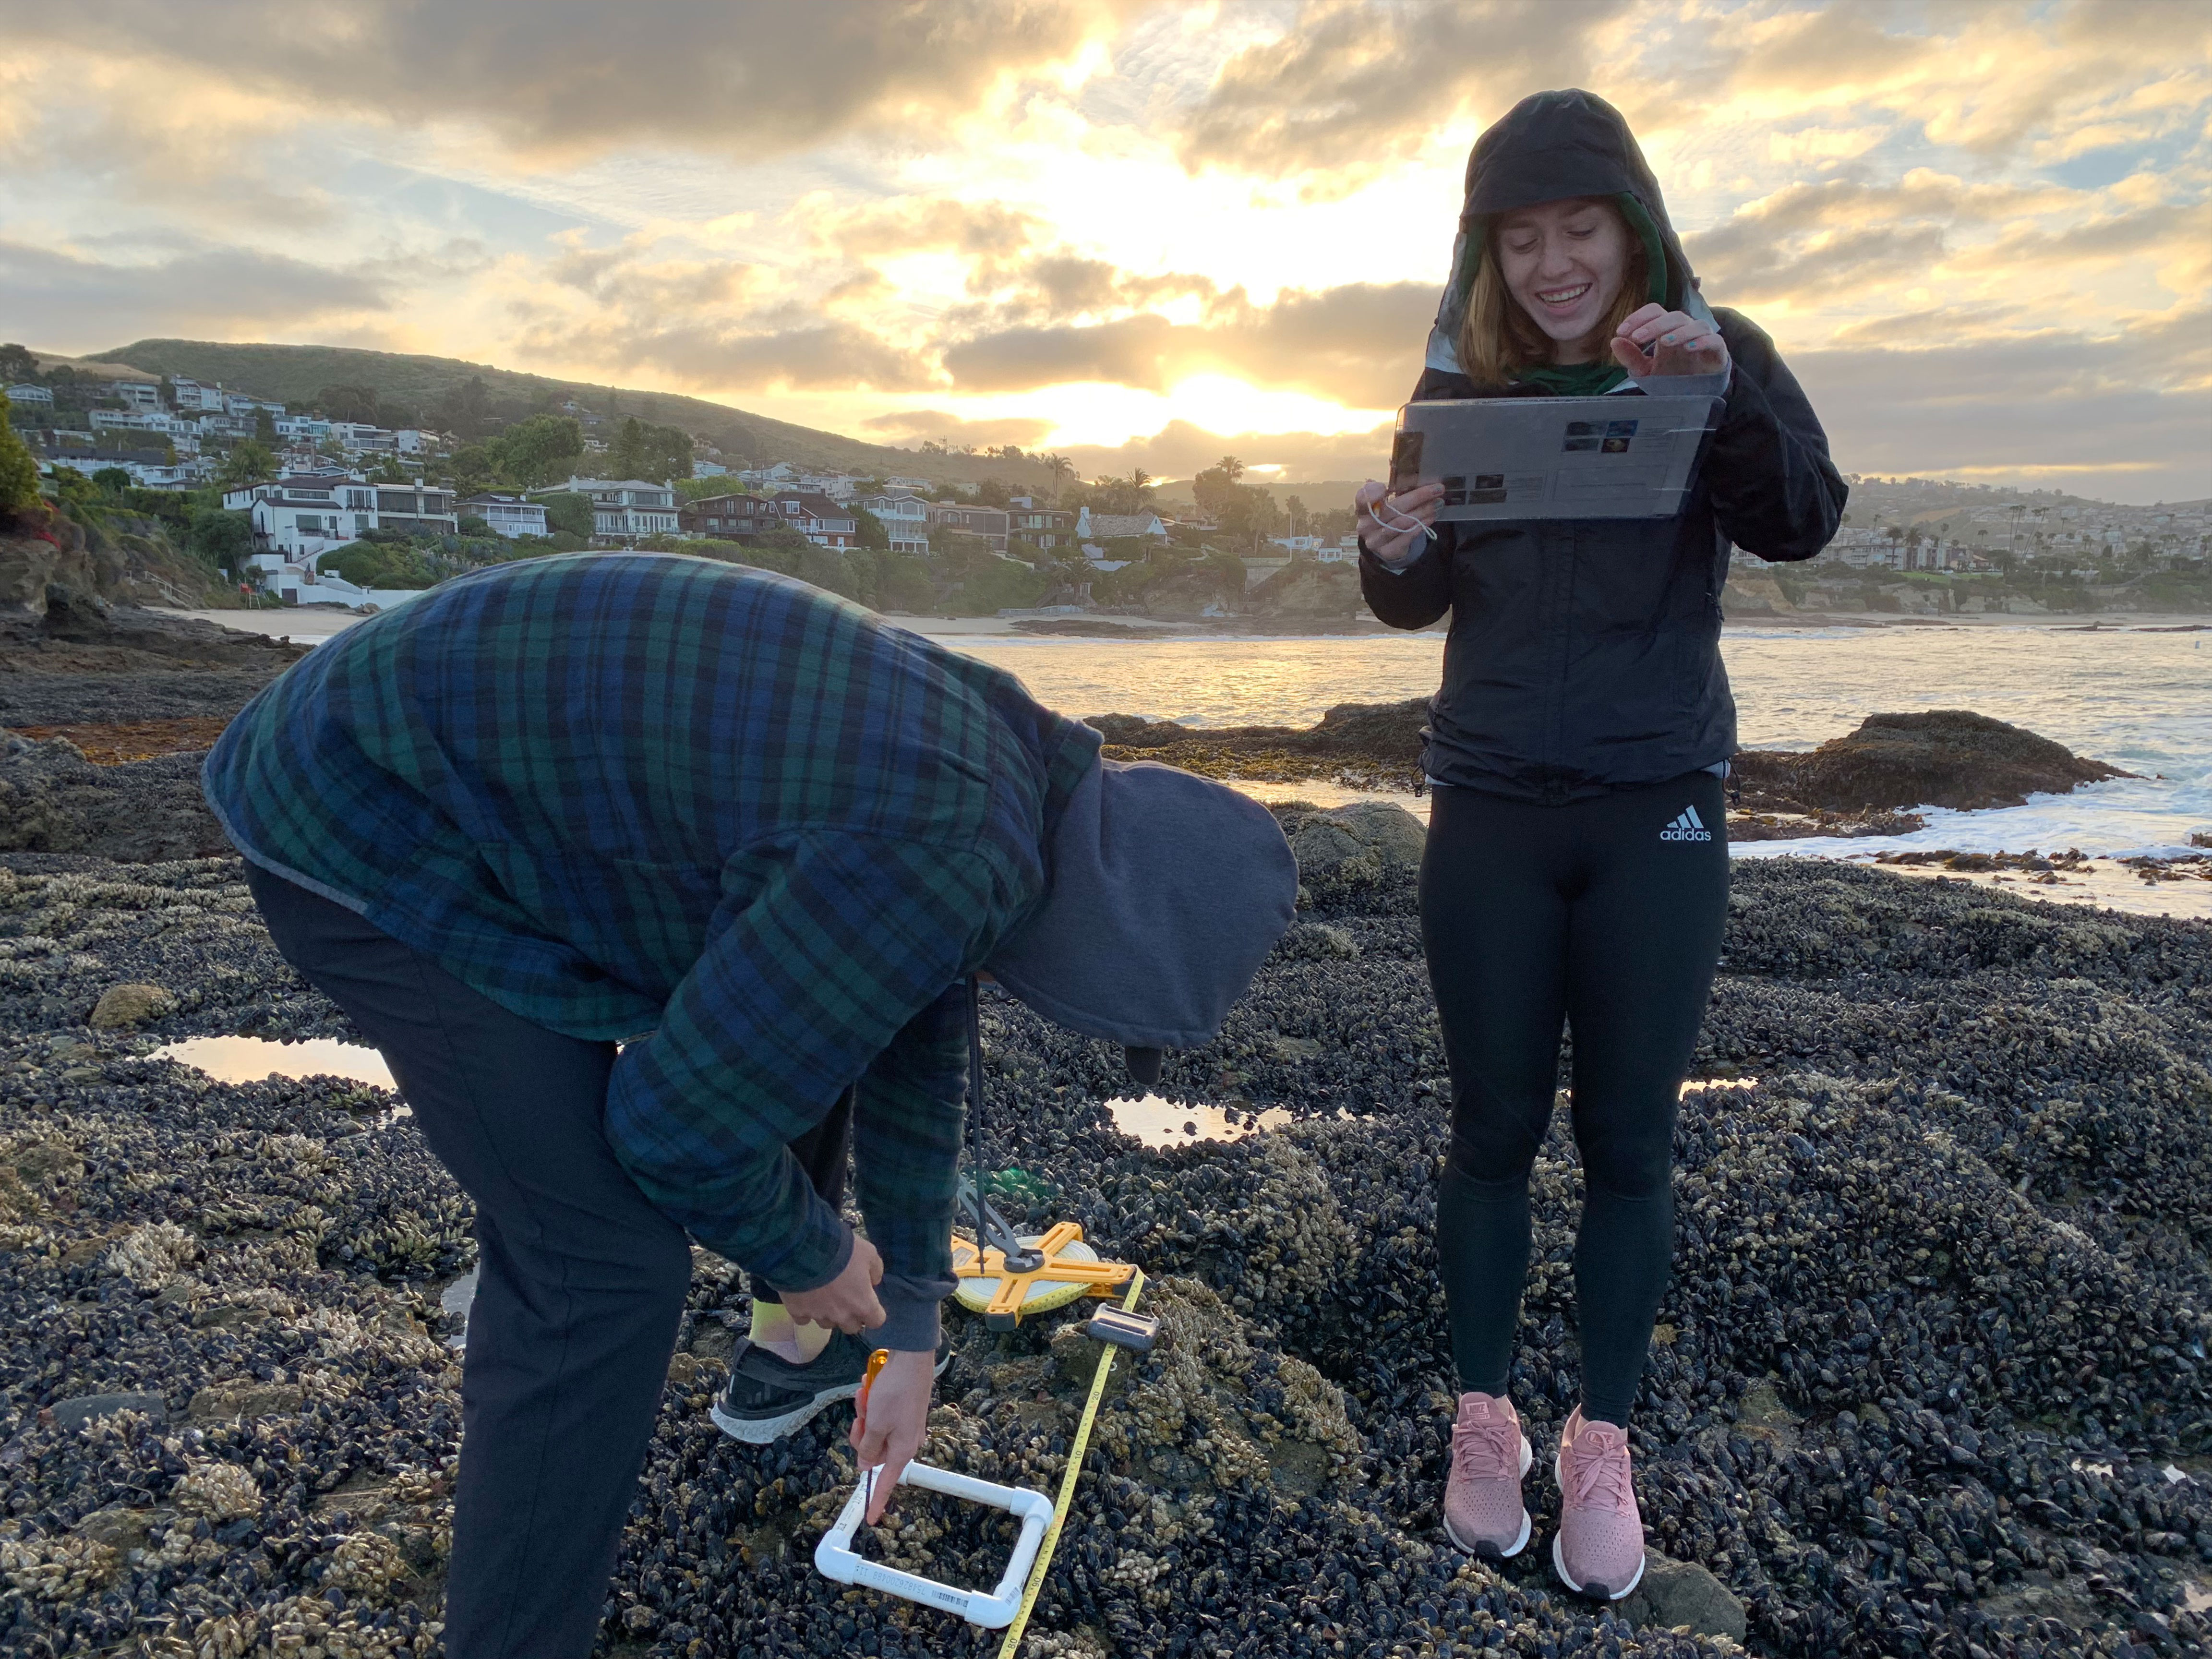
column 1498, row 338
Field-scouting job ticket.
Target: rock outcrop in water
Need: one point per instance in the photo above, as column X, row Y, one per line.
column 1370, row 746
column 1944, row 757
column 1855, row 784
column 1931, row 1378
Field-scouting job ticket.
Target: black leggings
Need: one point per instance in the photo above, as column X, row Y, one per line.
column 1604, row 916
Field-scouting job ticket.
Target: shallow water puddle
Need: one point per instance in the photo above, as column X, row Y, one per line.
column 458, row 1298
column 1157, row 1122
column 255, row 1059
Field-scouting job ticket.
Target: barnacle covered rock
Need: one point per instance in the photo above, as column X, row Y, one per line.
column 221, row 1492
column 1930, row 1379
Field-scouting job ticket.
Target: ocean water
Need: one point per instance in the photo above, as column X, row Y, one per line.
column 2137, row 698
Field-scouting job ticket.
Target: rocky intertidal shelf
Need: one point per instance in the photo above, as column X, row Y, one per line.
column 1931, row 1378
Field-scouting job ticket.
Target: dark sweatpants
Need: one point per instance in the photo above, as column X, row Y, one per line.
column 581, row 1287
column 1604, row 916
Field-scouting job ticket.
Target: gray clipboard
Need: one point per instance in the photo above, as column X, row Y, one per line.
column 1554, row 458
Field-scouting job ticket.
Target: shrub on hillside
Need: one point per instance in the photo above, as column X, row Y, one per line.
column 19, row 472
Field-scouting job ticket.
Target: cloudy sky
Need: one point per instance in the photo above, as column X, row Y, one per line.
column 1130, row 232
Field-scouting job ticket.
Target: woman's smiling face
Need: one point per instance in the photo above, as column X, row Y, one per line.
column 1563, row 263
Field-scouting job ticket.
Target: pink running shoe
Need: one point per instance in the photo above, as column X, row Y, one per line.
column 1599, row 1551
column 1483, row 1511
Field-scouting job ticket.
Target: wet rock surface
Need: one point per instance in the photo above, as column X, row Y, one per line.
column 1365, row 745
column 53, row 799
column 1931, row 1377
column 1379, row 834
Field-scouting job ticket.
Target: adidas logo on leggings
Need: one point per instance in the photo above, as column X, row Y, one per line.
column 1688, row 827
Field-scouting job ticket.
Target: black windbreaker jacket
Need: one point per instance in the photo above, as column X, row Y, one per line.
column 1584, row 654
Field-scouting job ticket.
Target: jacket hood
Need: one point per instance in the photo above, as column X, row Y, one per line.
column 1549, row 145
column 1165, row 891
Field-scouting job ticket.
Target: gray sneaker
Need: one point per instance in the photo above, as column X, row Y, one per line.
column 769, row 1397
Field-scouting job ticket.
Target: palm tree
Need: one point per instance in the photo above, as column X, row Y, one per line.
column 1060, row 466
column 1230, row 468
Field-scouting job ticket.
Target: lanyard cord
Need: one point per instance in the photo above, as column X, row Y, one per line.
column 975, row 1096
column 991, row 1228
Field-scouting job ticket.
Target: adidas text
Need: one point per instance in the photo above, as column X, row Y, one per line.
column 1688, row 827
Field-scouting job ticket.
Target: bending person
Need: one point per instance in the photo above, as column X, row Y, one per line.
column 765, row 836
column 1576, row 867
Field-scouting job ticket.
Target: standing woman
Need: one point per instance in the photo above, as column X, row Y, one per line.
column 1576, row 869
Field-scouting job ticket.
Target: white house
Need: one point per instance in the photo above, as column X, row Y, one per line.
column 137, row 394
column 302, row 429
column 31, row 396
column 224, row 426
column 140, row 420
column 191, row 394
column 148, row 475
column 838, row 486
column 237, row 403
column 1091, row 527
column 709, row 470
column 628, row 509
column 509, row 515
column 303, row 516
column 904, row 516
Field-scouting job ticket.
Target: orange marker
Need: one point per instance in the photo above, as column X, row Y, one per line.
column 877, row 1361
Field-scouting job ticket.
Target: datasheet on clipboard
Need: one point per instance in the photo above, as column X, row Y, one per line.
column 1554, row 458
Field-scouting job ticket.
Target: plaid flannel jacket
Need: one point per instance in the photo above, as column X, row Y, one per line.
column 622, row 794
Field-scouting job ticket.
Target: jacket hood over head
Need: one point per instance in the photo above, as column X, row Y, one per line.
column 1166, row 891
column 1551, row 145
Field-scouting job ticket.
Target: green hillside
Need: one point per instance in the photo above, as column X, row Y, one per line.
column 297, row 373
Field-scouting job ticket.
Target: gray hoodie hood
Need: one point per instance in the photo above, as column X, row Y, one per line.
column 1166, row 891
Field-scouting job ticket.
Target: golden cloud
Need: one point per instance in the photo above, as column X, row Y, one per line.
column 564, row 79
column 1359, row 343
column 1353, row 85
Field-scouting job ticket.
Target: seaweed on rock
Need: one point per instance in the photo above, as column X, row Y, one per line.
column 1931, row 1378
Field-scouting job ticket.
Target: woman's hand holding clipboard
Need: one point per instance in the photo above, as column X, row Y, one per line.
column 1395, row 528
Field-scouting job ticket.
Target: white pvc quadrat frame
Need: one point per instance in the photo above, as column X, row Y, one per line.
column 834, row 1556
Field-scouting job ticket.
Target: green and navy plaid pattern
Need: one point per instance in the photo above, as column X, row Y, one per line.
column 622, row 794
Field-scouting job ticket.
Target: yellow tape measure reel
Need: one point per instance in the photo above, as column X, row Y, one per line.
column 1005, row 1276
column 1070, row 1269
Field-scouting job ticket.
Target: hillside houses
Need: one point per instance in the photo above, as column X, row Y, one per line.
column 628, row 509
column 738, row 517
column 303, row 515
column 1048, row 529
column 993, row 524
column 1100, row 528
column 904, row 517
column 508, row 516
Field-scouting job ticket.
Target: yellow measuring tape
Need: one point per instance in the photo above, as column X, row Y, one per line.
column 1067, row 1481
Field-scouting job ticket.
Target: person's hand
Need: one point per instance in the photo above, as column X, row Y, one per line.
column 848, row 1300
column 1653, row 341
column 1378, row 512
column 890, row 1421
